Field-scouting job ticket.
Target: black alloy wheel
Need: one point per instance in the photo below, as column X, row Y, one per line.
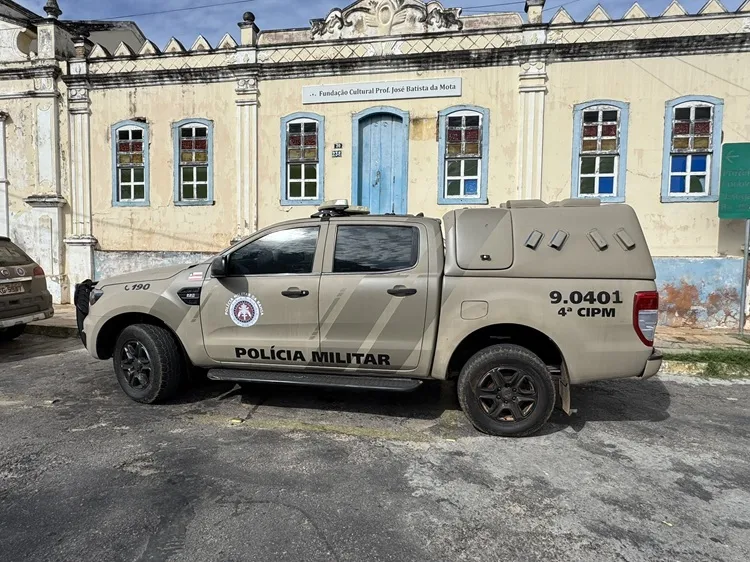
column 507, row 394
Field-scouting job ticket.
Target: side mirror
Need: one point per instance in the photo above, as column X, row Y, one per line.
column 219, row 267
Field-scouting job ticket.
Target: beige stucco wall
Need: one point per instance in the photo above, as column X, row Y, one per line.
column 672, row 229
column 162, row 225
column 493, row 88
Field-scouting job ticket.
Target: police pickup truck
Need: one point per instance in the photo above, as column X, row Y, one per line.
column 517, row 303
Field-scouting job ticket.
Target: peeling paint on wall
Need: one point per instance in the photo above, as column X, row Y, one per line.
column 108, row 264
column 700, row 292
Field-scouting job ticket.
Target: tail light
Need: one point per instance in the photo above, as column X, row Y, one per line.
column 646, row 315
column 38, row 271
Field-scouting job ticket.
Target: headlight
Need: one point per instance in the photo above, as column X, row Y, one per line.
column 94, row 296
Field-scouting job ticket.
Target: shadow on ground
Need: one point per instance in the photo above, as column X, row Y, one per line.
column 29, row 346
column 611, row 401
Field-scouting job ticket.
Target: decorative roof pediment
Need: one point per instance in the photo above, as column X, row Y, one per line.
column 174, row 46
column 378, row 18
column 598, row 14
column 201, row 44
column 149, row 48
column 712, row 7
column 635, row 12
column 99, row 52
column 123, row 50
column 227, row 42
column 674, row 9
column 562, row 16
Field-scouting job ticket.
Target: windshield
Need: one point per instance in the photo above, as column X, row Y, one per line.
column 10, row 254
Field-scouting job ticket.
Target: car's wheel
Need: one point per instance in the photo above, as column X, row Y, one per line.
column 506, row 390
column 149, row 363
column 8, row 334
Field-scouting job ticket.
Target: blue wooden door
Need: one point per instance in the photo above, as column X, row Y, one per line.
column 381, row 184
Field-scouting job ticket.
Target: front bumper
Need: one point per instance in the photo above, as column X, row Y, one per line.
column 10, row 322
column 652, row 365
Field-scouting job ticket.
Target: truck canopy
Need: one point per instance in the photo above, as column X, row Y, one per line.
column 575, row 238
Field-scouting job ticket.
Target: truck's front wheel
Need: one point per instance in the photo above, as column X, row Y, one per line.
column 148, row 363
column 506, row 390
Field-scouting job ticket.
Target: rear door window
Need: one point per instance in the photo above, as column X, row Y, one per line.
column 10, row 254
column 375, row 249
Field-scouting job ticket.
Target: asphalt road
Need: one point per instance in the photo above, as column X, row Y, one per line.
column 645, row 470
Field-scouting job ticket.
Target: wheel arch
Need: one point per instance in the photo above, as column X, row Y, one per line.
column 530, row 338
column 107, row 336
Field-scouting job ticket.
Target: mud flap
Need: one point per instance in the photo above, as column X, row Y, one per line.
column 563, row 389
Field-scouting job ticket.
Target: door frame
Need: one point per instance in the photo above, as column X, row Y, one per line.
column 356, row 122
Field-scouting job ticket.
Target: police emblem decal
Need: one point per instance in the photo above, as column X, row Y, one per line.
column 244, row 310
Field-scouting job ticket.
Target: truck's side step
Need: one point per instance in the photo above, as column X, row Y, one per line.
column 315, row 379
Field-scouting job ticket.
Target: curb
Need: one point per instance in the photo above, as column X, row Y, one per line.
column 691, row 369
column 52, row 331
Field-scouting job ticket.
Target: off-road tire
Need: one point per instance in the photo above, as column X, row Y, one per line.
column 9, row 334
column 168, row 366
column 510, row 357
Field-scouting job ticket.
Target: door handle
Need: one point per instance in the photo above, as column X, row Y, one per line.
column 401, row 291
column 295, row 293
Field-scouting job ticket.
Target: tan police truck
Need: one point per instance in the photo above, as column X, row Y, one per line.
column 518, row 303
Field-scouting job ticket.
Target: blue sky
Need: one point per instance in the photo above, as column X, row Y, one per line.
column 214, row 22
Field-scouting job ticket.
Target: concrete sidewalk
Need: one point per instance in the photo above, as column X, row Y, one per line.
column 673, row 340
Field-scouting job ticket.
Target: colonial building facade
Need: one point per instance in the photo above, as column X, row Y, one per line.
column 117, row 155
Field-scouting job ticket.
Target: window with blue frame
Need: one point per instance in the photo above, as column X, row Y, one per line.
column 691, row 149
column 463, row 155
column 302, row 159
column 598, row 171
column 130, row 159
column 692, row 145
column 194, row 158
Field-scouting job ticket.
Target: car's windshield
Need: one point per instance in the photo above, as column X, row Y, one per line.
column 10, row 254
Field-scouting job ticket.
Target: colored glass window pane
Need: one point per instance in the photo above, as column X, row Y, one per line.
column 590, row 116
column 311, row 140
column 607, row 185
column 471, row 167
column 681, row 142
column 588, row 165
column 698, row 163
column 454, row 135
column 588, row 186
column 590, row 146
column 682, row 128
column 702, row 127
column 590, row 131
column 470, row 187
column 677, row 184
column 302, row 135
column 201, row 144
column 697, row 184
column 607, row 165
column 679, row 163
column 454, row 149
column 609, row 130
column 701, row 142
column 472, row 135
column 295, row 140
column 609, row 144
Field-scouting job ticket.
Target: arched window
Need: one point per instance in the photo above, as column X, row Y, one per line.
column 464, row 144
column 193, row 156
column 692, row 142
column 302, row 159
column 130, row 166
column 600, row 149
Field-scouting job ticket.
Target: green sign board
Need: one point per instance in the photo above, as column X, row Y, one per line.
column 734, row 191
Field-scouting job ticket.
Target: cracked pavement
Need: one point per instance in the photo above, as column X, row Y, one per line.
column 644, row 470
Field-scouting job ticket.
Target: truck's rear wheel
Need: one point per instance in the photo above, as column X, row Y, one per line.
column 148, row 363
column 506, row 390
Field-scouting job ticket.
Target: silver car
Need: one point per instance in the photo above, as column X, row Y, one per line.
column 24, row 297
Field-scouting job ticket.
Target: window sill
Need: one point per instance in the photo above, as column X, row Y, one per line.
column 131, row 203
column 603, row 198
column 194, row 203
column 463, row 201
column 301, row 202
column 689, row 199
